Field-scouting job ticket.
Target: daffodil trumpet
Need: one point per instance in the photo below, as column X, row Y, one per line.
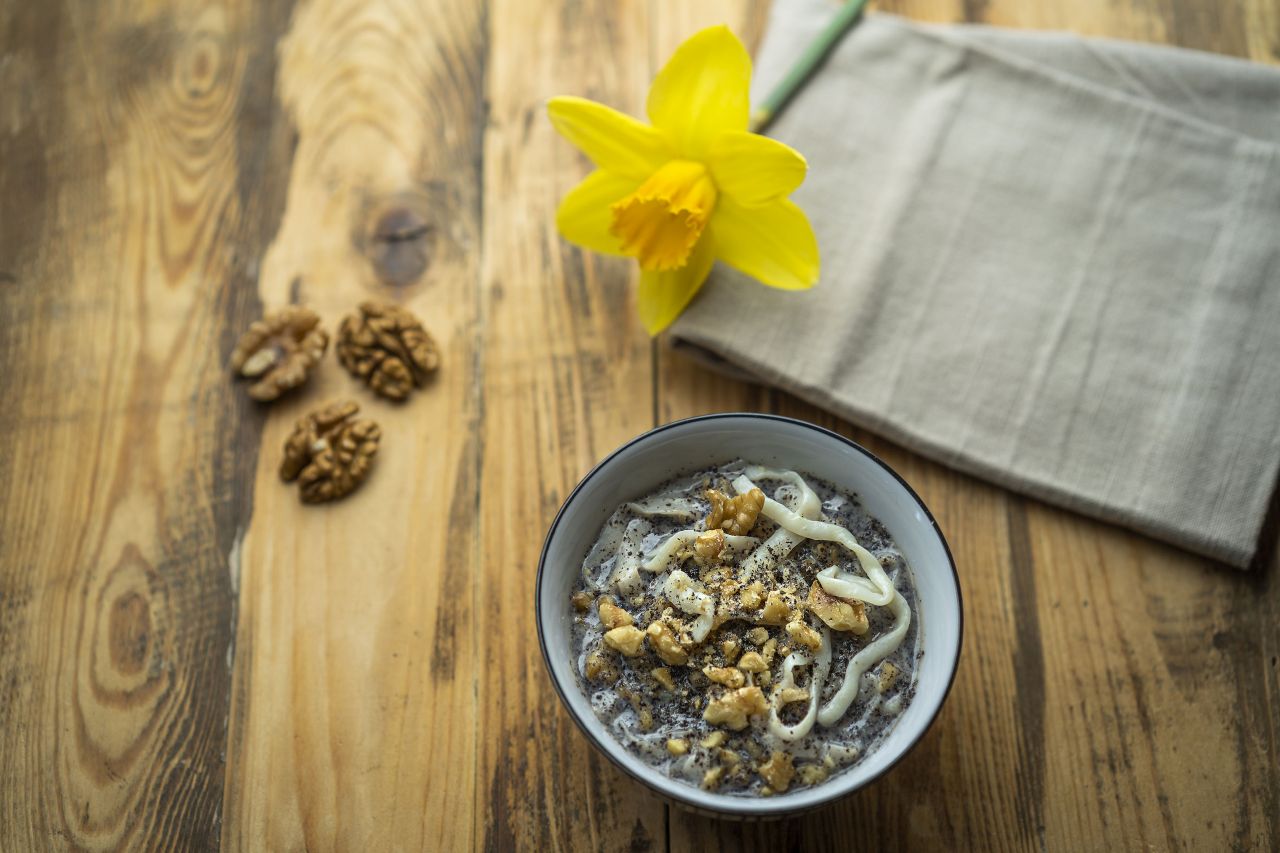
column 691, row 187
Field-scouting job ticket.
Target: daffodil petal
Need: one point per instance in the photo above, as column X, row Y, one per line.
column 772, row 243
column 663, row 295
column 753, row 169
column 702, row 91
column 584, row 218
column 613, row 140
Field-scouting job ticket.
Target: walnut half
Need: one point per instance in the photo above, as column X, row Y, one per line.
column 388, row 348
column 329, row 452
column 279, row 351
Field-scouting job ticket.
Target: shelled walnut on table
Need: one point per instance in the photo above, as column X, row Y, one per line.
column 330, row 452
column 280, row 351
column 387, row 347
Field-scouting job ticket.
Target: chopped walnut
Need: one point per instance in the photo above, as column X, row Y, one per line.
column 388, row 348
column 708, row 546
column 775, row 610
column 888, row 675
column 662, row 675
column 752, row 596
column 778, row 771
column 802, row 634
column 611, row 615
column 677, row 746
column 726, row 675
column 599, row 668
column 279, row 351
column 752, row 662
column 664, row 644
column 733, row 708
column 713, row 740
column 329, row 453
column 581, row 601
column 627, row 639
column 731, row 649
column 645, row 719
column 727, row 587
column 787, row 695
column 758, row 635
column 838, row 614
column 735, row 516
column 711, row 779
column 767, row 651
column 812, row 774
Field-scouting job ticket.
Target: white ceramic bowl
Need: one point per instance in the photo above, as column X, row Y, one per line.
column 638, row 466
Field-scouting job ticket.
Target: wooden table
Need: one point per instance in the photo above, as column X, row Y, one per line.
column 189, row 656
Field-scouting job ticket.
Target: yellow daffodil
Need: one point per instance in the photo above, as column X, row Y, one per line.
column 691, row 187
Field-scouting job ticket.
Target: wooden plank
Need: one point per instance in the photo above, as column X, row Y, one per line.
column 138, row 148
column 353, row 714
column 1150, row 657
column 567, row 377
column 1160, row 695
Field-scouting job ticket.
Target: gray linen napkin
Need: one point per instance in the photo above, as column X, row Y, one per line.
column 1050, row 261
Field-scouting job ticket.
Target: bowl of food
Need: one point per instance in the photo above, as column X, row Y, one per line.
column 749, row 614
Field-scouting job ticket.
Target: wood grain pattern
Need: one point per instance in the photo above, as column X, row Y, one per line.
column 128, row 222
column 353, row 703
column 554, row 358
column 189, row 658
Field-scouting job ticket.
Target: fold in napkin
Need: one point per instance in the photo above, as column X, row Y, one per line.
column 1050, row 261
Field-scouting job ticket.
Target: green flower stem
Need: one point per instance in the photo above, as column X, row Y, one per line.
column 804, row 67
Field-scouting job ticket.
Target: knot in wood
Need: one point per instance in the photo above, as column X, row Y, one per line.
column 398, row 245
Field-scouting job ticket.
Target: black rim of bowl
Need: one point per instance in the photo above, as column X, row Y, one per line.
column 728, row 808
